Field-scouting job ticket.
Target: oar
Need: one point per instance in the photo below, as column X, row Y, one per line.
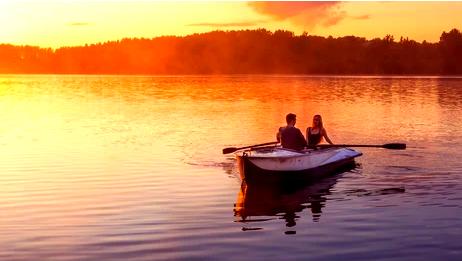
column 233, row 149
column 391, row 146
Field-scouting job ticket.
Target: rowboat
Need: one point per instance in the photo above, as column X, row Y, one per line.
column 276, row 164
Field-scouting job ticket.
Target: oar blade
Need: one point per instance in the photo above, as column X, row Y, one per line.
column 395, row 146
column 229, row 150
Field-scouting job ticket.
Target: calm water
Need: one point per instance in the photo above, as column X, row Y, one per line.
column 130, row 168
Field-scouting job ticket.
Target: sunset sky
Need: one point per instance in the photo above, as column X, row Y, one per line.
column 56, row 23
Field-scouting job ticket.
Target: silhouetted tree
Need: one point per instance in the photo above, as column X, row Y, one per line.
column 242, row 52
column 451, row 49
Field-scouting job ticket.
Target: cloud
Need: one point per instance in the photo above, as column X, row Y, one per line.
column 238, row 24
column 308, row 14
column 334, row 19
column 361, row 17
column 78, row 24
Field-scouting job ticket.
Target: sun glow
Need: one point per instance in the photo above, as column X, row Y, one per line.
column 69, row 23
column 58, row 24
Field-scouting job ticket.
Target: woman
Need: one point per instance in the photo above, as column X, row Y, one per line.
column 315, row 133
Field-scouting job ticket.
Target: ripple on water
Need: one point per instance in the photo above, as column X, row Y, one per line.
column 131, row 168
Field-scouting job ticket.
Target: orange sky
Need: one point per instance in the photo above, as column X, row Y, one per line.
column 54, row 23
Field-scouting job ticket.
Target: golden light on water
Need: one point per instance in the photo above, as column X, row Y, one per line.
column 87, row 161
column 131, row 166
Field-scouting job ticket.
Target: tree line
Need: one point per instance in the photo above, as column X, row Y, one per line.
column 243, row 52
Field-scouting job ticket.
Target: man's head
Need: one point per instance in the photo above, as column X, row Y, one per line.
column 291, row 119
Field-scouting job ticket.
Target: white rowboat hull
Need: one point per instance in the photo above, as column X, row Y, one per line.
column 274, row 164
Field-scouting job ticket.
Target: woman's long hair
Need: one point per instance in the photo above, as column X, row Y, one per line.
column 319, row 125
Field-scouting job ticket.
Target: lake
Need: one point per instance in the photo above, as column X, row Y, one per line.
column 131, row 168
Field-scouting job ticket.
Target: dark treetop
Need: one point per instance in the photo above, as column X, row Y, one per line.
column 243, row 52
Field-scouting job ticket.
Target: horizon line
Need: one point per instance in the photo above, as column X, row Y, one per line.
column 429, row 76
column 211, row 31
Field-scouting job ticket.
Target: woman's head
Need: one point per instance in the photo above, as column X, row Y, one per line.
column 317, row 121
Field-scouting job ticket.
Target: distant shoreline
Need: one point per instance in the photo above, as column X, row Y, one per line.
column 242, row 75
column 248, row 52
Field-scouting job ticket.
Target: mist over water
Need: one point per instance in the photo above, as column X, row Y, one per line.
column 130, row 168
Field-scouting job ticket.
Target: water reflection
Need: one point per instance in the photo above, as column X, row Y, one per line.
column 257, row 203
column 269, row 202
column 88, row 160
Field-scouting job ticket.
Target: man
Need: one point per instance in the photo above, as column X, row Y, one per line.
column 289, row 136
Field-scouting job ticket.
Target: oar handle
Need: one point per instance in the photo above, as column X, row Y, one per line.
column 347, row 145
column 391, row 146
column 233, row 149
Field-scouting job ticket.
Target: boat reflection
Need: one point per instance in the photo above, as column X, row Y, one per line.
column 282, row 201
